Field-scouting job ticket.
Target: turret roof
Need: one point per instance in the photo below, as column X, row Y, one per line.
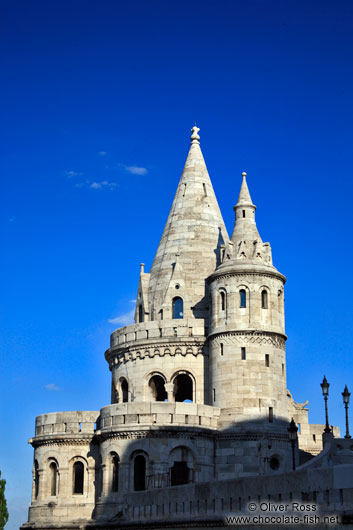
column 194, row 232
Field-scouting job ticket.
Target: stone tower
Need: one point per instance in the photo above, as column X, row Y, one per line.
column 247, row 339
column 172, row 300
column 198, row 384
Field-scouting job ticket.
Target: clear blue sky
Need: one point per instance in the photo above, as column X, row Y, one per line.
column 97, row 99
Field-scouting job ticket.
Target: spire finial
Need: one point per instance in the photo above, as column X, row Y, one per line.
column 243, row 174
column 195, row 138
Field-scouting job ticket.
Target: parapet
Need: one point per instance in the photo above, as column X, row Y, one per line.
column 62, row 423
column 157, row 329
column 157, row 414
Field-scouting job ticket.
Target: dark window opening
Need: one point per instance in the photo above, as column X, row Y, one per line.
column 115, row 477
column 53, row 476
column 314, row 438
column 270, row 414
column 178, row 309
column 125, row 390
column 243, row 354
column 140, row 313
column 156, row 384
column 36, row 479
column 78, row 471
column 264, row 299
column 183, row 388
column 204, row 189
column 274, row 463
column 243, row 213
column 161, row 313
column 267, row 360
column 242, row 294
column 139, row 473
column 282, row 369
column 214, row 394
column 223, row 300
column 221, row 348
column 179, row 474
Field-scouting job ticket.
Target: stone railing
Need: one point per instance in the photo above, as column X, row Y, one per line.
column 331, row 489
column 138, row 414
column 61, row 423
column 158, row 329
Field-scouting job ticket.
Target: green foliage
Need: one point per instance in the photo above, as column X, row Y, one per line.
column 4, row 514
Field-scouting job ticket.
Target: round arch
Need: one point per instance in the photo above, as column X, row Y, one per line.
column 184, row 386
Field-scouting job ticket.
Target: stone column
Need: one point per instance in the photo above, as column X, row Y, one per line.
column 169, row 388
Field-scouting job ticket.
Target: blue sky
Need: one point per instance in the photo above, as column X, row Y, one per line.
column 98, row 98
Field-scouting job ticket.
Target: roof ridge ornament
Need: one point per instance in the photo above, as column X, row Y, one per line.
column 195, row 138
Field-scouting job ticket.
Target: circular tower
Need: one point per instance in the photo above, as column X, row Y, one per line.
column 247, row 339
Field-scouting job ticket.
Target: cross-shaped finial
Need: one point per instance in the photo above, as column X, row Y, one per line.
column 195, row 138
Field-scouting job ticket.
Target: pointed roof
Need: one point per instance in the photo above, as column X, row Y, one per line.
column 244, row 198
column 194, row 231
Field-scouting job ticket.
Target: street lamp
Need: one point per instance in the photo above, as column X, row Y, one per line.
column 325, row 386
column 346, row 396
column 292, row 431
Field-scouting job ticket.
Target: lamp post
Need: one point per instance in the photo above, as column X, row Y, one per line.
column 292, row 431
column 346, row 396
column 325, row 386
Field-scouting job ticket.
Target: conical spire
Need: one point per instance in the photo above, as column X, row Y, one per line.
column 247, row 243
column 244, row 198
column 194, row 231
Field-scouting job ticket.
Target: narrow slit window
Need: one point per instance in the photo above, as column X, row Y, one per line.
column 115, row 474
column 36, row 479
column 204, row 189
column 243, row 213
column 78, row 478
column 139, row 473
column 178, row 307
column 242, row 295
column 282, row 369
column 270, row 414
column 223, row 300
column 140, row 313
column 267, row 360
column 221, row 348
column 53, row 478
column 264, row 299
column 243, row 354
column 214, row 394
column 125, row 390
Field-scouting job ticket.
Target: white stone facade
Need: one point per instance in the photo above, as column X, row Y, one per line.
column 199, row 397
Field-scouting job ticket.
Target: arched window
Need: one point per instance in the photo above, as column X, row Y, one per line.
column 242, row 295
column 140, row 313
column 156, row 383
column 264, row 299
column 181, row 463
column 183, row 388
column 139, row 473
column 53, row 474
column 78, row 478
column 125, row 390
column 223, row 300
column 179, row 474
column 115, row 475
column 178, row 307
column 36, row 479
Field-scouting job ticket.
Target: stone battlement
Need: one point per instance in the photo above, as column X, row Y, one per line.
column 157, row 329
column 75, row 422
column 138, row 414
